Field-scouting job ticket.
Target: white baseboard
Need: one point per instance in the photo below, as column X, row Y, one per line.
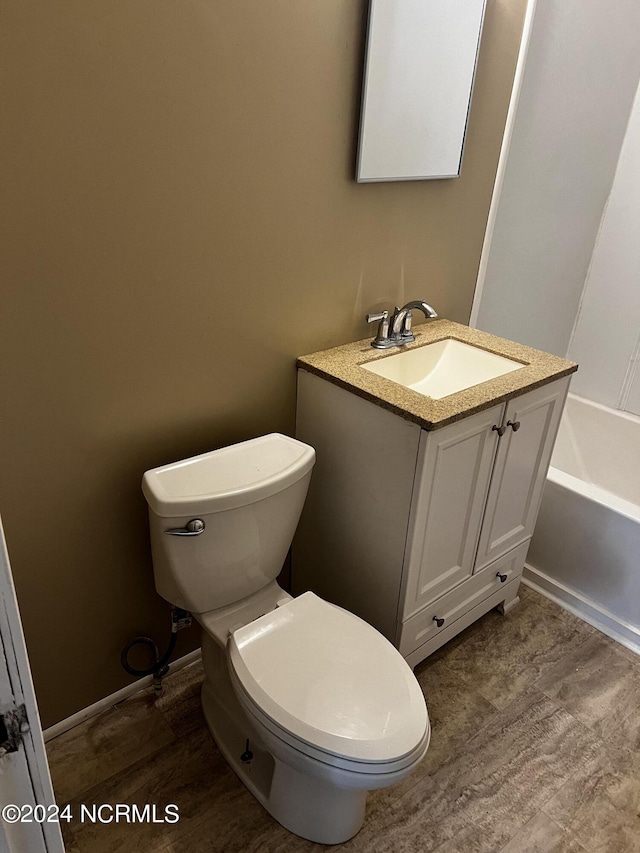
column 586, row 609
column 109, row 701
column 569, row 599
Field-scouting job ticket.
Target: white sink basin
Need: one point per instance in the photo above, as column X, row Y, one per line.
column 443, row 368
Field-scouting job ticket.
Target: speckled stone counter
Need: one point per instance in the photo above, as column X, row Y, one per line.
column 342, row 366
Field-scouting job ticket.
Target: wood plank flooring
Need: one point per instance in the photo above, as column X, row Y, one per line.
column 535, row 749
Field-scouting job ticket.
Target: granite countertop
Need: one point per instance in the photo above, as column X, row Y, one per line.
column 342, row 366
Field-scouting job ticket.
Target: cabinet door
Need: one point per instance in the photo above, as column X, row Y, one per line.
column 450, row 490
column 520, row 470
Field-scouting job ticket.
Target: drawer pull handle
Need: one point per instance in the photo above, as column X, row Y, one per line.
column 515, row 425
column 502, row 577
column 439, row 622
column 499, row 429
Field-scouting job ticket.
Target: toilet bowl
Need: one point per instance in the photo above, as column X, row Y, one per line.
column 310, row 705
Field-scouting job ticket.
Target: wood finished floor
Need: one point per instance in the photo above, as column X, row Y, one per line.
column 535, row 749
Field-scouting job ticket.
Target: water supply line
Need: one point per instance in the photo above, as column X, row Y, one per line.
column 179, row 619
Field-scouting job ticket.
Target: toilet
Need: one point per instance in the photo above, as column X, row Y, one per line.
column 311, row 706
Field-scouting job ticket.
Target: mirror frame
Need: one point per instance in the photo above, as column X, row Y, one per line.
column 420, row 66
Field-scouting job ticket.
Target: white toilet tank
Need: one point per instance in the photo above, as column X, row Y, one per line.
column 249, row 496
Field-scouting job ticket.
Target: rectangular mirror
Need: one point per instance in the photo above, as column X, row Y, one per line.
column 418, row 80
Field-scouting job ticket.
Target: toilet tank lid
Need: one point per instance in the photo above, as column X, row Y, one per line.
column 227, row 478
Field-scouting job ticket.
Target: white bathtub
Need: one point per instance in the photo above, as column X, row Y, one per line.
column 585, row 551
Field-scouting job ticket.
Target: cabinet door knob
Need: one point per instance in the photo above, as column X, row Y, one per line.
column 515, row 425
column 499, row 429
column 502, row 577
column 439, row 622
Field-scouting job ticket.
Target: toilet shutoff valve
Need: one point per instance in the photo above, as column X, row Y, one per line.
column 180, row 619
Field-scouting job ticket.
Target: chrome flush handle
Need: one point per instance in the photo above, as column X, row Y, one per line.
column 192, row 528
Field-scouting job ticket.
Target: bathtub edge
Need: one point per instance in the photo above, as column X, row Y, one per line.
column 584, row 608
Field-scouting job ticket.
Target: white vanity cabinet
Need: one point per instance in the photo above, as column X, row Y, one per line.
column 420, row 531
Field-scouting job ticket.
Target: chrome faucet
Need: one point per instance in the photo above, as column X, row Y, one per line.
column 395, row 331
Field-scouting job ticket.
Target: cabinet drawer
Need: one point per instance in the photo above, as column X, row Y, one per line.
column 446, row 609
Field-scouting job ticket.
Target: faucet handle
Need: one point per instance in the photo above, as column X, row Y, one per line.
column 381, row 340
column 380, row 315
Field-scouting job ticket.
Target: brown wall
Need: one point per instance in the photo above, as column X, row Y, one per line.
column 180, row 221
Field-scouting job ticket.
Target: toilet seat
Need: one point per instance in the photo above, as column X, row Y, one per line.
column 330, row 685
column 376, row 772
